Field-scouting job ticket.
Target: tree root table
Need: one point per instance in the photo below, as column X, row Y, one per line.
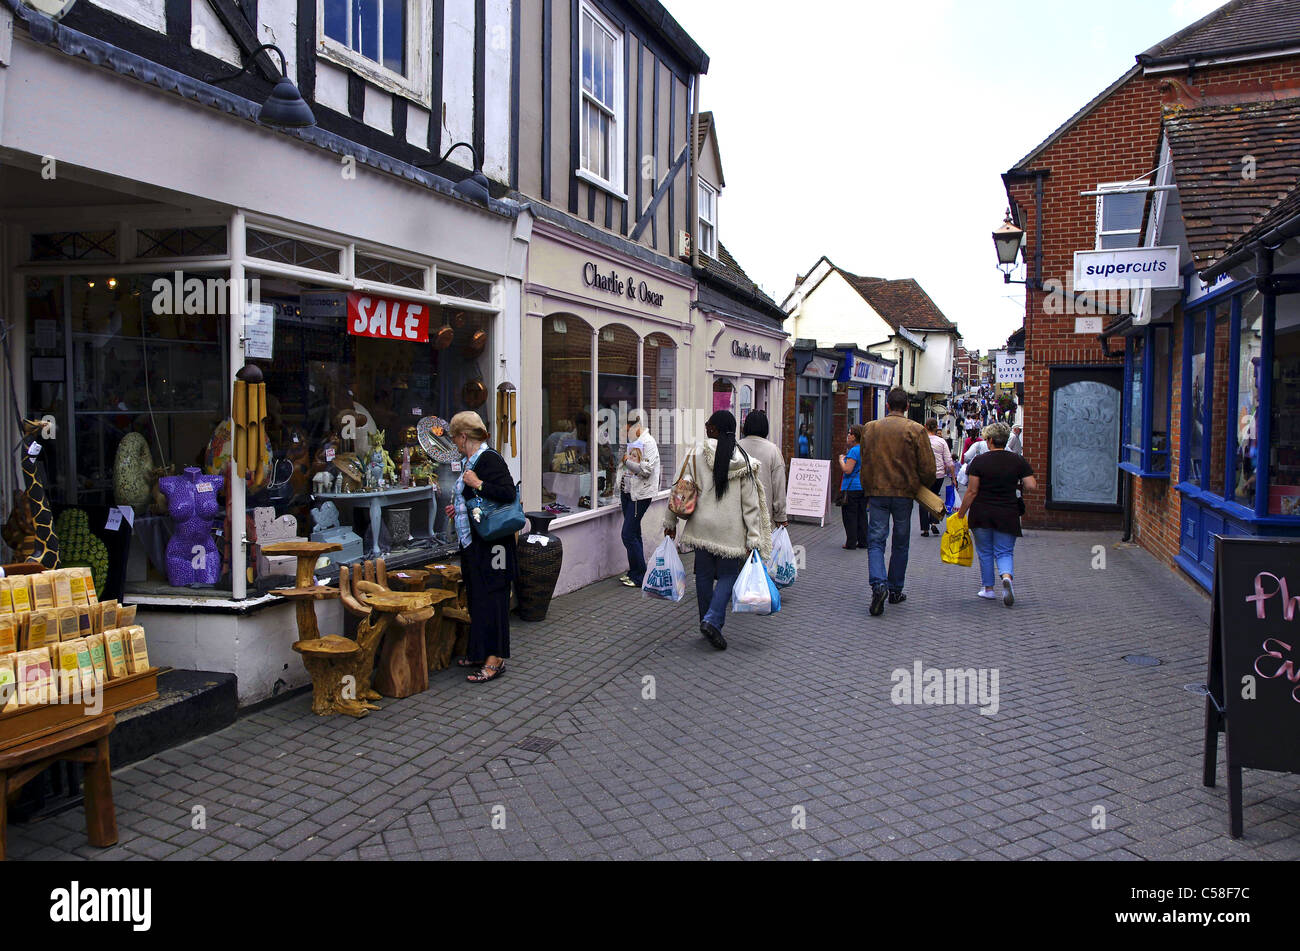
column 305, row 592
column 453, row 637
column 403, row 667
column 377, row 501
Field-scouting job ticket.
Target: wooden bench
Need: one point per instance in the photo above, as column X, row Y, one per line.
column 85, row 742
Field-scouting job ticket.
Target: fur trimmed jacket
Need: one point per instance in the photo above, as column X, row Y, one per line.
column 738, row 524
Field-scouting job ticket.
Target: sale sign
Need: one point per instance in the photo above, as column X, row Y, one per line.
column 387, row 318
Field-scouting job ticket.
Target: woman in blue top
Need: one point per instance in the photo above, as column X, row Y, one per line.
column 854, row 502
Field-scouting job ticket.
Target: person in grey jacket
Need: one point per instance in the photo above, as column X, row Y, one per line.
column 771, row 471
column 640, row 481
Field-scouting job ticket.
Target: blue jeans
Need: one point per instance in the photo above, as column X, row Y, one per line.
column 880, row 511
column 997, row 552
column 633, row 512
column 714, row 579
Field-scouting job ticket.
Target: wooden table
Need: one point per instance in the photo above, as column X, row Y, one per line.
column 305, row 591
column 402, row 669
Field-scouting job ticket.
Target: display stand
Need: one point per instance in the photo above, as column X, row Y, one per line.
column 377, row 501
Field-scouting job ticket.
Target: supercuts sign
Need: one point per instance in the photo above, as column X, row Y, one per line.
column 387, row 318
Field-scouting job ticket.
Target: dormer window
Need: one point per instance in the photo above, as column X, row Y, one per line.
column 708, row 219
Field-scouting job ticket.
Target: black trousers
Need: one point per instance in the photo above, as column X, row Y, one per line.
column 854, row 511
column 927, row 521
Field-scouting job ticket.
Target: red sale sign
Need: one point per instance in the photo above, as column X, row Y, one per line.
column 387, row 318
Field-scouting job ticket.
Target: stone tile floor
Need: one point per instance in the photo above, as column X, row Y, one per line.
column 787, row 745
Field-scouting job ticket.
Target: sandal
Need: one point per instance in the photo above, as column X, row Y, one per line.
column 482, row 678
column 466, row 662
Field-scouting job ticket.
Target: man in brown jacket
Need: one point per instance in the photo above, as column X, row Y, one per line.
column 896, row 461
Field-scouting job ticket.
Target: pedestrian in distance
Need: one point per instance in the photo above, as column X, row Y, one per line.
column 640, row 481
column 995, row 509
column 729, row 522
column 853, row 502
column 1014, row 444
column 487, row 568
column 771, row 463
column 805, row 443
column 897, row 461
column 943, row 469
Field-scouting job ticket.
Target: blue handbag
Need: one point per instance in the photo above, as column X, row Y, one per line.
column 493, row 521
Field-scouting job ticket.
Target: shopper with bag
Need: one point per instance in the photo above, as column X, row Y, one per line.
column 995, row 510
column 853, row 500
column 723, row 514
column 488, row 567
column 771, row 463
column 943, row 468
column 640, row 481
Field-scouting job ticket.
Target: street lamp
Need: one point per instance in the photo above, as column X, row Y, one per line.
column 1008, row 241
column 285, row 106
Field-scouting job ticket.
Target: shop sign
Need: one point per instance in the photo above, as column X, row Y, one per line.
column 1127, row 269
column 387, row 318
column 1011, row 367
column 611, row 283
column 324, row 303
column 1199, row 288
column 821, row 368
column 871, row 373
column 750, row 352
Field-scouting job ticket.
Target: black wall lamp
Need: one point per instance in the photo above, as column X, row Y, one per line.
column 285, row 106
column 475, row 187
column 1008, row 240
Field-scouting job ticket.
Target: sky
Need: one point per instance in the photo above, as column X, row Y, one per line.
column 876, row 132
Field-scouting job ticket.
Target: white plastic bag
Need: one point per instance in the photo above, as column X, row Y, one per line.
column 752, row 594
column 665, row 575
column 782, row 568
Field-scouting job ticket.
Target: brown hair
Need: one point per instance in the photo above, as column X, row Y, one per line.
column 932, row 424
column 470, row 424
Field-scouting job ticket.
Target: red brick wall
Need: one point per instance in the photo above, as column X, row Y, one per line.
column 1118, row 141
column 790, row 411
column 1157, row 505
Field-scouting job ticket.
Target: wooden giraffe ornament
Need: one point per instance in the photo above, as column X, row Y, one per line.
column 46, row 548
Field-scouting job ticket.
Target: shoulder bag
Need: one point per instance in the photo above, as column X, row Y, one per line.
column 493, row 521
column 686, row 491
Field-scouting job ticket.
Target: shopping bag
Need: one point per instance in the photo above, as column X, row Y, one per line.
column 950, row 497
column 754, row 590
column 782, row 568
column 957, row 547
column 665, row 576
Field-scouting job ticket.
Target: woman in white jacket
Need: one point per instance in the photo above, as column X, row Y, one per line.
column 640, row 481
column 731, row 519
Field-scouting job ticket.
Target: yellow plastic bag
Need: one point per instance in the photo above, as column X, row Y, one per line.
column 957, row 547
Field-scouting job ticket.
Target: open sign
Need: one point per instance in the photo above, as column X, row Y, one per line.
column 387, row 318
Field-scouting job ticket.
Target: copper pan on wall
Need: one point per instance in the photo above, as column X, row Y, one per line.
column 474, row 394
column 442, row 337
column 477, row 344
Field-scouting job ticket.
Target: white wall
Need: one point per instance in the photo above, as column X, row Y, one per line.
column 934, row 372
column 209, row 34
column 457, row 79
column 835, row 313
column 496, row 160
column 150, row 13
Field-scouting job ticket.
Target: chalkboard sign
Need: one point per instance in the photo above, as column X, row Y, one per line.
column 1254, row 664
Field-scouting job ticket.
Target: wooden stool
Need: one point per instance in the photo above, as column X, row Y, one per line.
column 84, row 743
column 403, row 667
column 329, row 660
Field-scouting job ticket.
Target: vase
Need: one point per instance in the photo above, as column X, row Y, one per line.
column 540, row 555
column 399, row 526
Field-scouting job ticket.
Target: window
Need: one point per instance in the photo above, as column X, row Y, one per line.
column 566, row 414
column 1119, row 217
column 708, row 219
column 1149, row 365
column 600, row 119
column 1284, row 449
column 659, row 398
column 616, row 396
column 1195, row 402
column 1085, row 421
column 376, row 29
column 1245, row 432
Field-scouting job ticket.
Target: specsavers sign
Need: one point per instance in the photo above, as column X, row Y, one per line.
column 1127, row 269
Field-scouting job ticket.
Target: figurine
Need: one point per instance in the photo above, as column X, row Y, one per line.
column 192, row 556
column 379, row 465
column 338, row 484
column 404, row 480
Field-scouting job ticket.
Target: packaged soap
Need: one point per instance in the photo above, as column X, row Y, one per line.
column 137, row 651
column 21, row 592
column 66, row 655
column 69, row 626
column 78, row 583
column 88, row 577
column 42, row 629
column 6, row 596
column 84, row 627
column 8, row 685
column 108, row 619
column 42, row 588
column 85, row 665
column 62, row 588
column 126, row 615
column 115, row 653
column 97, row 661
column 9, row 634
column 35, row 676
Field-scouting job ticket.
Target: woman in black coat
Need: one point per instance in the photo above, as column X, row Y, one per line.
column 488, row 568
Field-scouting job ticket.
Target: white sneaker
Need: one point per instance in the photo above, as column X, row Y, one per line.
column 987, row 595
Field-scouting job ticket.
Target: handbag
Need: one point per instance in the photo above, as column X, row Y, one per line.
column 685, row 492
column 493, row 521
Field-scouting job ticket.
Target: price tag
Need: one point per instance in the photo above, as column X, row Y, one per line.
column 329, row 453
column 203, row 487
column 128, row 513
column 455, row 467
column 542, row 540
column 34, row 450
column 417, row 411
column 114, row 522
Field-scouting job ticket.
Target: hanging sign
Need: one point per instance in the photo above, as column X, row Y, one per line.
column 387, row 318
column 1011, row 367
column 1127, row 269
column 807, row 489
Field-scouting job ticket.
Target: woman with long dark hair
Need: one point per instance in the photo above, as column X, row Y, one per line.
column 731, row 519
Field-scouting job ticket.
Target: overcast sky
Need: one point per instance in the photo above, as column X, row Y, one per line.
column 876, row 131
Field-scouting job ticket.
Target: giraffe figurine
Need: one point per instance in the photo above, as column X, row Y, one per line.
column 46, row 549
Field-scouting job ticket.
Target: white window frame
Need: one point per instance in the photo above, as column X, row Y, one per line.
column 716, row 195
column 417, row 82
column 617, row 162
column 1101, row 199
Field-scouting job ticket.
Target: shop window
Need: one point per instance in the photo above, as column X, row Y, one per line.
column 659, row 398
column 1197, row 403
column 376, row 29
column 1284, row 449
column 1149, row 390
column 566, row 414
column 465, row 288
column 1244, row 434
column 724, row 395
column 1215, row 419
column 381, row 271
column 708, row 219
column 745, row 405
column 1085, row 428
column 108, row 357
column 616, row 396
column 1119, row 218
column 180, row 242
column 293, row 251
column 600, row 121
column 74, row 246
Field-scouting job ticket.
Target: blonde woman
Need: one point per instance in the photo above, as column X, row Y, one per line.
column 994, row 509
column 486, row 573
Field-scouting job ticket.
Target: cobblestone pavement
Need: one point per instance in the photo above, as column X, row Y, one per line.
column 787, row 745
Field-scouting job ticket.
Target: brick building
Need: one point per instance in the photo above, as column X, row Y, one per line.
column 1074, row 377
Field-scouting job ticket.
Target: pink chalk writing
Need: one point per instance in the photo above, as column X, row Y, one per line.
column 1285, row 668
column 1289, row 604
